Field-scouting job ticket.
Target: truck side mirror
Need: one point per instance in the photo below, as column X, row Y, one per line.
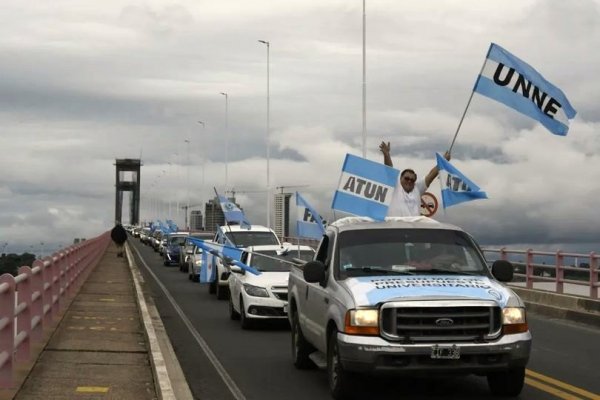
column 314, row 272
column 502, row 270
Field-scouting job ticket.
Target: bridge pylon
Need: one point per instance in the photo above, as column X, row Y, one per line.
column 133, row 186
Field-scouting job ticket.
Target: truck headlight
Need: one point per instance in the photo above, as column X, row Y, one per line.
column 362, row 322
column 255, row 291
column 198, row 263
column 514, row 320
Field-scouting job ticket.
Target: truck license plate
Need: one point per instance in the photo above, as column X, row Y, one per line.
column 445, row 352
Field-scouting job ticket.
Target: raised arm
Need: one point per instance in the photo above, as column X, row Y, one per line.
column 434, row 171
column 385, row 149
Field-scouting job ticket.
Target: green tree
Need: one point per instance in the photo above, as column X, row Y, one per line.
column 10, row 263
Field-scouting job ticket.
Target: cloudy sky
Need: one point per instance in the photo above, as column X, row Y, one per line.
column 83, row 83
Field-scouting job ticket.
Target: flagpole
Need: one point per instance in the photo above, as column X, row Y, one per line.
column 467, row 107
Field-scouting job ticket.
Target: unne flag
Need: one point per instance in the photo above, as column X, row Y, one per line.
column 513, row 82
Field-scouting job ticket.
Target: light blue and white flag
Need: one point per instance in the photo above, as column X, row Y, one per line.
column 365, row 188
column 515, row 83
column 456, row 188
column 309, row 223
column 232, row 213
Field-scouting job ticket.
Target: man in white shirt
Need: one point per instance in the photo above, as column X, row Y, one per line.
column 406, row 201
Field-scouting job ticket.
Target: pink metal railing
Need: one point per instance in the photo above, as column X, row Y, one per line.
column 556, row 270
column 531, row 264
column 32, row 300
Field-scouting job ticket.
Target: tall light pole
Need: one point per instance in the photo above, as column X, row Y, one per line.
column 187, row 184
column 268, row 137
column 226, row 136
column 364, row 84
column 203, row 153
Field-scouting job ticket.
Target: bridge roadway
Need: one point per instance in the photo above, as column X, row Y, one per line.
column 219, row 360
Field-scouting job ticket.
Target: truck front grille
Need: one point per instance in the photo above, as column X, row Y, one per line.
column 440, row 323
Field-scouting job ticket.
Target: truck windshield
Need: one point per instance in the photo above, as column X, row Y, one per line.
column 270, row 261
column 407, row 252
column 252, row 238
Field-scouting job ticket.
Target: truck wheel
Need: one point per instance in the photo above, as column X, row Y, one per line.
column 245, row 322
column 507, row 383
column 301, row 349
column 233, row 315
column 340, row 381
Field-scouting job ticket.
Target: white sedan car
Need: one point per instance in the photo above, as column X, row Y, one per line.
column 264, row 296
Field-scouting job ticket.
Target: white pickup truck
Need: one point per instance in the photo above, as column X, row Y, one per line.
column 406, row 296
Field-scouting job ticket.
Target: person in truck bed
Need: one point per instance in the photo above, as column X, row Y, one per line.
column 406, row 200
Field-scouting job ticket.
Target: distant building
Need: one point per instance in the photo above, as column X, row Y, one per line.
column 213, row 214
column 196, row 220
column 282, row 214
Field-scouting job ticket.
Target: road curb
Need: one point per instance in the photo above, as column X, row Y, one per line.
column 165, row 366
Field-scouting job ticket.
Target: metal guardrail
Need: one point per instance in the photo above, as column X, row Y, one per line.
column 531, row 269
column 32, row 300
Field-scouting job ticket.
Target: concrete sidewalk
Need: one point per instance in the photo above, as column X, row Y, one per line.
column 101, row 348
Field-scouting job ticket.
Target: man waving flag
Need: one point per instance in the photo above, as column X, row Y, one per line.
column 516, row 84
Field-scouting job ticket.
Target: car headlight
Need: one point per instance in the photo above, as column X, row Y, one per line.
column 255, row 291
column 198, row 263
column 514, row 320
column 362, row 322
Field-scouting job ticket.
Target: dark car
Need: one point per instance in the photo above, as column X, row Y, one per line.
column 173, row 247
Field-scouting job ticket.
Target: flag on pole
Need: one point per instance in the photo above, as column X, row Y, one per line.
column 232, row 213
column 309, row 223
column 513, row 82
column 365, row 188
column 456, row 187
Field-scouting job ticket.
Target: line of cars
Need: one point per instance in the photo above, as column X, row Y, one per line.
column 252, row 297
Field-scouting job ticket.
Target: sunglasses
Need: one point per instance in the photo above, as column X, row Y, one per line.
column 407, row 179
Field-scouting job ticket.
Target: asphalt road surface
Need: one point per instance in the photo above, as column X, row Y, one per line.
column 222, row 361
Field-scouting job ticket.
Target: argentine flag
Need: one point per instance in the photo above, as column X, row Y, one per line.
column 365, row 188
column 309, row 223
column 232, row 213
column 513, row 82
column 209, row 254
column 456, row 188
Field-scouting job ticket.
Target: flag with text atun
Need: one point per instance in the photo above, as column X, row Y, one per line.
column 456, row 188
column 232, row 213
column 513, row 82
column 309, row 223
column 365, row 188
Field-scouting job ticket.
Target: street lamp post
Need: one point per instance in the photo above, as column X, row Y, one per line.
column 226, row 136
column 187, row 208
column 203, row 153
column 268, row 44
